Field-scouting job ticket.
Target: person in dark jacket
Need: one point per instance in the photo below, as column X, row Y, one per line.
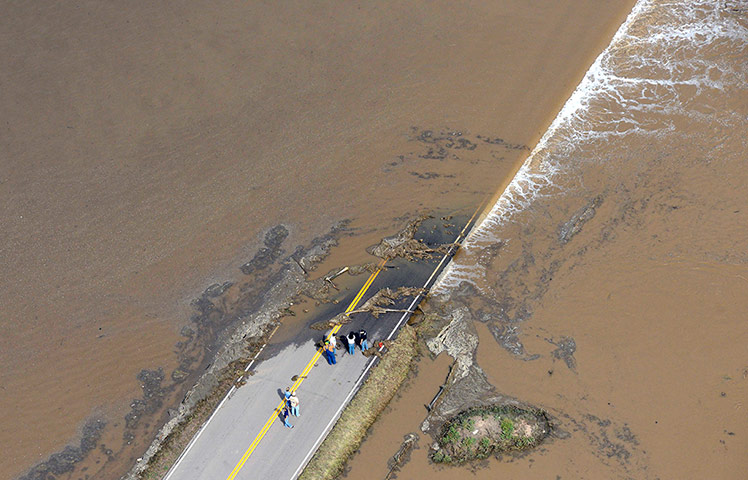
column 284, row 416
column 362, row 340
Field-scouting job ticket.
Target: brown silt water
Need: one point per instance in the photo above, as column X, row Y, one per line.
column 608, row 283
column 148, row 151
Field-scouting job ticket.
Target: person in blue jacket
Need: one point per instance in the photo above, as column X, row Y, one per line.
column 284, row 415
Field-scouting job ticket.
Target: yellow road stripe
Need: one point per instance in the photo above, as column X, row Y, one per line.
column 306, row 370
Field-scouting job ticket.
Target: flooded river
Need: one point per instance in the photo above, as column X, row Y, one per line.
column 147, row 149
column 608, row 282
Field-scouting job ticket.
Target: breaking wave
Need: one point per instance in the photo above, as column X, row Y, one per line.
column 661, row 65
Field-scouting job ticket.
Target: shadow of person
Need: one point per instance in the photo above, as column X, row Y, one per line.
column 281, row 394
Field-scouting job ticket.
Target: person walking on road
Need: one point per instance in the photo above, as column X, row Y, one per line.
column 351, row 339
column 293, row 402
column 362, row 340
column 287, row 397
column 285, row 415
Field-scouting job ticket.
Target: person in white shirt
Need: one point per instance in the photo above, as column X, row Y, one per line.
column 351, row 339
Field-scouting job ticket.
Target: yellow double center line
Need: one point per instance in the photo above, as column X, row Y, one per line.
column 303, row 375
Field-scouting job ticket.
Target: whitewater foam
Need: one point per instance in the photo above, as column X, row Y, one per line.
column 650, row 72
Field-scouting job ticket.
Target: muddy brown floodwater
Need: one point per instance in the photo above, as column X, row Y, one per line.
column 608, row 284
column 147, row 151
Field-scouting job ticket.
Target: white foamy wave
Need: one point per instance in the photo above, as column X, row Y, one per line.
column 454, row 275
column 659, row 64
column 653, row 71
column 672, row 55
column 526, row 185
column 531, row 178
column 529, row 183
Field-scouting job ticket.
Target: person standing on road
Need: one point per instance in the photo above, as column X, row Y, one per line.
column 330, row 353
column 351, row 339
column 293, row 402
column 331, row 338
column 288, row 394
column 284, row 415
column 362, row 340
column 325, row 346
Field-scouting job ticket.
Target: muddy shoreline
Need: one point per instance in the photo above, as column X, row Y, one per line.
column 232, row 321
column 251, row 320
column 242, row 340
column 449, row 328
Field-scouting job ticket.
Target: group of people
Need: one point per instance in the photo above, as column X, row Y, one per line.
column 291, row 401
column 351, row 340
column 291, row 406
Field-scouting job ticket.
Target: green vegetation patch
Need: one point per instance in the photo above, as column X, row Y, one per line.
column 481, row 431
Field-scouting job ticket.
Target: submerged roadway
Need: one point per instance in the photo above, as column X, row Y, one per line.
column 245, row 438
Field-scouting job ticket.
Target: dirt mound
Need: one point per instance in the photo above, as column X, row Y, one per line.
column 478, row 432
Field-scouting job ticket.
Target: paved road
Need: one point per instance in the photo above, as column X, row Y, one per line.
column 245, row 438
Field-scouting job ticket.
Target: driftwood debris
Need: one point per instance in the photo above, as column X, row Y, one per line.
column 336, row 275
column 405, row 245
column 376, row 305
column 339, row 319
column 410, row 442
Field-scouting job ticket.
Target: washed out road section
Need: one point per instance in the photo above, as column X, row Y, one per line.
column 220, row 449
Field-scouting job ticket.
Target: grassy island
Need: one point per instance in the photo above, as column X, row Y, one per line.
column 481, row 431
